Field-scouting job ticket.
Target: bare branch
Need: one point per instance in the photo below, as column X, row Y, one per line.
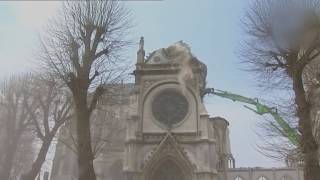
column 85, row 47
column 282, row 41
column 99, row 91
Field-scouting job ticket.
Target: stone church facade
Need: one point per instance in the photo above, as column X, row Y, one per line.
column 163, row 130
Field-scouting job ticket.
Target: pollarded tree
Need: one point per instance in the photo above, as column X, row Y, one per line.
column 53, row 104
column 275, row 145
column 283, row 37
column 84, row 47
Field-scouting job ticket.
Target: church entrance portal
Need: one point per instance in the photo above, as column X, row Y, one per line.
column 168, row 170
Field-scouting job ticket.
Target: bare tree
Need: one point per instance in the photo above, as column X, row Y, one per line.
column 107, row 122
column 107, row 126
column 15, row 123
column 84, row 47
column 274, row 144
column 54, row 109
column 282, row 39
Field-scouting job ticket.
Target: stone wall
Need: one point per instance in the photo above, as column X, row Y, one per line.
column 262, row 174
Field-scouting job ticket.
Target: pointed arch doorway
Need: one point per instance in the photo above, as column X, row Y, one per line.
column 168, row 170
column 168, row 162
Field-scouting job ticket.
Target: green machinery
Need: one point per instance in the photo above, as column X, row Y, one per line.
column 261, row 109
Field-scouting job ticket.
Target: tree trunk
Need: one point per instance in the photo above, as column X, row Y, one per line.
column 85, row 154
column 37, row 164
column 9, row 158
column 307, row 142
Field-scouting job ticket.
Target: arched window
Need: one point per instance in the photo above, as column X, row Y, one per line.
column 262, row 178
column 238, row 178
column 231, row 162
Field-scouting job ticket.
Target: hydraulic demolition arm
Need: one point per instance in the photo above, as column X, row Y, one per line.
column 261, row 109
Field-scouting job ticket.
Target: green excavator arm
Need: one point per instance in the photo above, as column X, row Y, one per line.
column 260, row 109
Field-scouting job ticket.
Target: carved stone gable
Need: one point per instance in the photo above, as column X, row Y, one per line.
column 168, row 148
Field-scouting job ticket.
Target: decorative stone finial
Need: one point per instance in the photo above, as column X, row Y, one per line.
column 141, row 44
column 141, row 52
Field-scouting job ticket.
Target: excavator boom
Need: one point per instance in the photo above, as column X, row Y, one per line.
column 260, row 109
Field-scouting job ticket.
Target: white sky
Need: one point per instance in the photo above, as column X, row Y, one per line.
column 23, row 21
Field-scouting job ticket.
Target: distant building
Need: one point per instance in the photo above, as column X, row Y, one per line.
column 163, row 130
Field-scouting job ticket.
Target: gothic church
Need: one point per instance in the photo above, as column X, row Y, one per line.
column 163, row 130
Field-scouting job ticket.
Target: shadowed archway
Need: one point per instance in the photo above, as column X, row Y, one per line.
column 168, row 170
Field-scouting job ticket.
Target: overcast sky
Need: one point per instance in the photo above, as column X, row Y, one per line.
column 211, row 27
